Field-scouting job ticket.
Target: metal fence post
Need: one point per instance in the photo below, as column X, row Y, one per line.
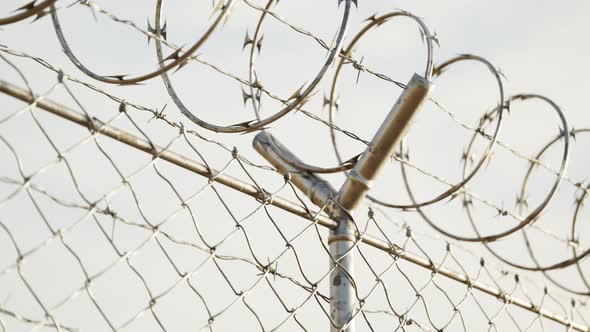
column 343, row 298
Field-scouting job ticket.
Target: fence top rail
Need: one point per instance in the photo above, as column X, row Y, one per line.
column 281, row 203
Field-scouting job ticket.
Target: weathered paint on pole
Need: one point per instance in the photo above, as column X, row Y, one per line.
column 391, row 132
column 317, row 189
column 343, row 304
column 343, row 301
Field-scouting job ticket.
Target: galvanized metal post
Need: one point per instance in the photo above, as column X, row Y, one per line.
column 358, row 182
column 343, row 301
column 251, row 190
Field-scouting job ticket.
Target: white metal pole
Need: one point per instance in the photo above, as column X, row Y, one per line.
column 343, row 305
column 343, row 298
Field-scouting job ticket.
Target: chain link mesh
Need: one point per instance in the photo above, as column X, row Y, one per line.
column 112, row 221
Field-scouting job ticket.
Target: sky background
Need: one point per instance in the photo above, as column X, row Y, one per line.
column 540, row 46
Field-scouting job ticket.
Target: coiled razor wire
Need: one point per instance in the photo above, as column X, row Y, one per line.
column 371, row 311
column 267, row 269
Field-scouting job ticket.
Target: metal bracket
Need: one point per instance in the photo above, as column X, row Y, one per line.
column 341, row 204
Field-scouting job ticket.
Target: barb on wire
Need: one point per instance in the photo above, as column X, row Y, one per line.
column 248, row 253
column 252, row 125
column 332, row 126
column 27, row 10
column 331, row 102
column 178, row 60
column 352, row 61
column 399, row 252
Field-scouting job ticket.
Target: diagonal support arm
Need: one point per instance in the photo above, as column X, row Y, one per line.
column 343, row 301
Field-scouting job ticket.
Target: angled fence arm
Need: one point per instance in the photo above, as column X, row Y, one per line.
column 359, row 180
column 248, row 189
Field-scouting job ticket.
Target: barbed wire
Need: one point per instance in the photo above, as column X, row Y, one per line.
column 150, row 34
column 373, row 298
column 395, row 157
column 348, row 60
column 93, row 208
column 399, row 157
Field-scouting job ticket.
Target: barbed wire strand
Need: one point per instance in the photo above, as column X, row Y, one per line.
column 257, row 85
column 264, row 198
column 205, row 171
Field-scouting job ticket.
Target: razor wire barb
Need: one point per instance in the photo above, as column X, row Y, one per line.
column 402, row 248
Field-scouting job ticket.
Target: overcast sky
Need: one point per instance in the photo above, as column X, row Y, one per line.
column 540, row 46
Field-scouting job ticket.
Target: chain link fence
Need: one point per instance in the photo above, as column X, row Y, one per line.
column 115, row 215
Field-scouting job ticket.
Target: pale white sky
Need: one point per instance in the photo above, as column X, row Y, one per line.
column 540, row 46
